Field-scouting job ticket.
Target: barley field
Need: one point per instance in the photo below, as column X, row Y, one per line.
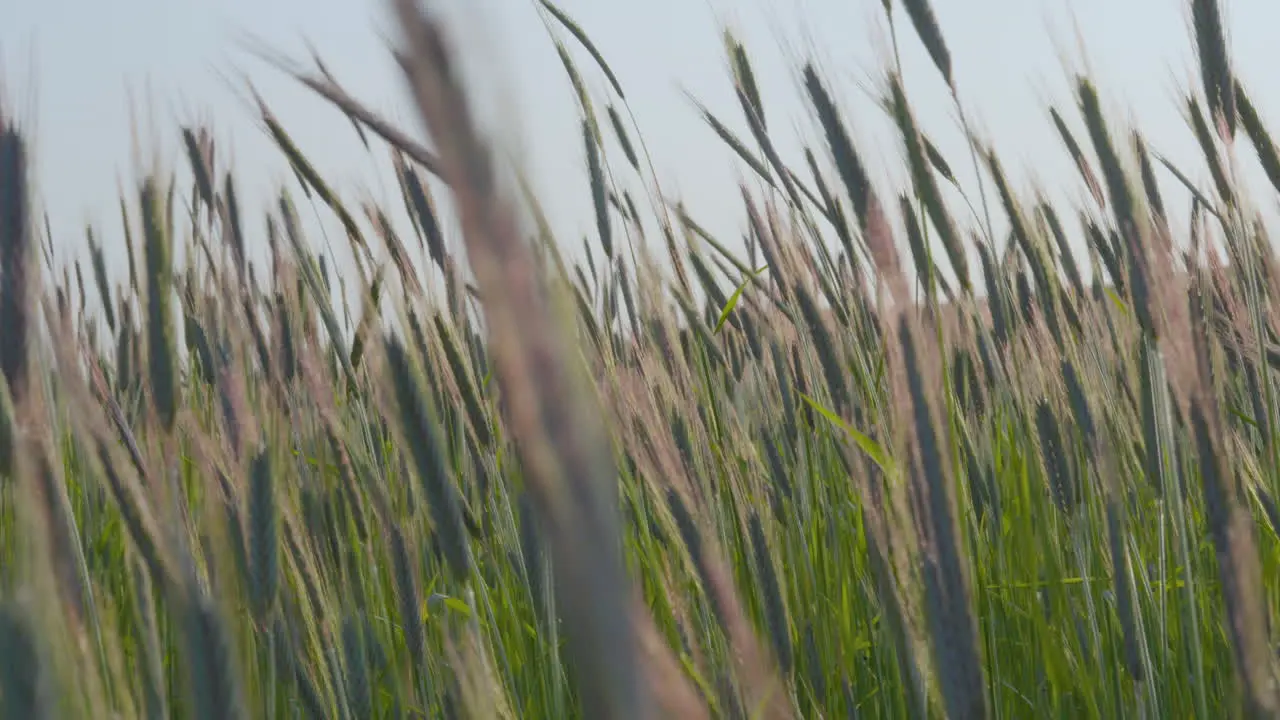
column 881, row 463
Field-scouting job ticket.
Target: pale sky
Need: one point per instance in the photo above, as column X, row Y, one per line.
column 68, row 67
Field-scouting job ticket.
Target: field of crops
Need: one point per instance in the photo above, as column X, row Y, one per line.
column 879, row 464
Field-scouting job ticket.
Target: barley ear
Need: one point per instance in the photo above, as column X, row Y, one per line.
column 1239, row 568
column 1263, row 145
column 598, row 191
column 162, row 348
column 422, row 435
column 9, row 434
column 18, row 274
column 926, row 185
column 1215, row 64
column 264, row 540
column 926, row 24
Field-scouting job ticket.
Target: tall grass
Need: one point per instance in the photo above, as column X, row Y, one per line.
column 771, row 486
